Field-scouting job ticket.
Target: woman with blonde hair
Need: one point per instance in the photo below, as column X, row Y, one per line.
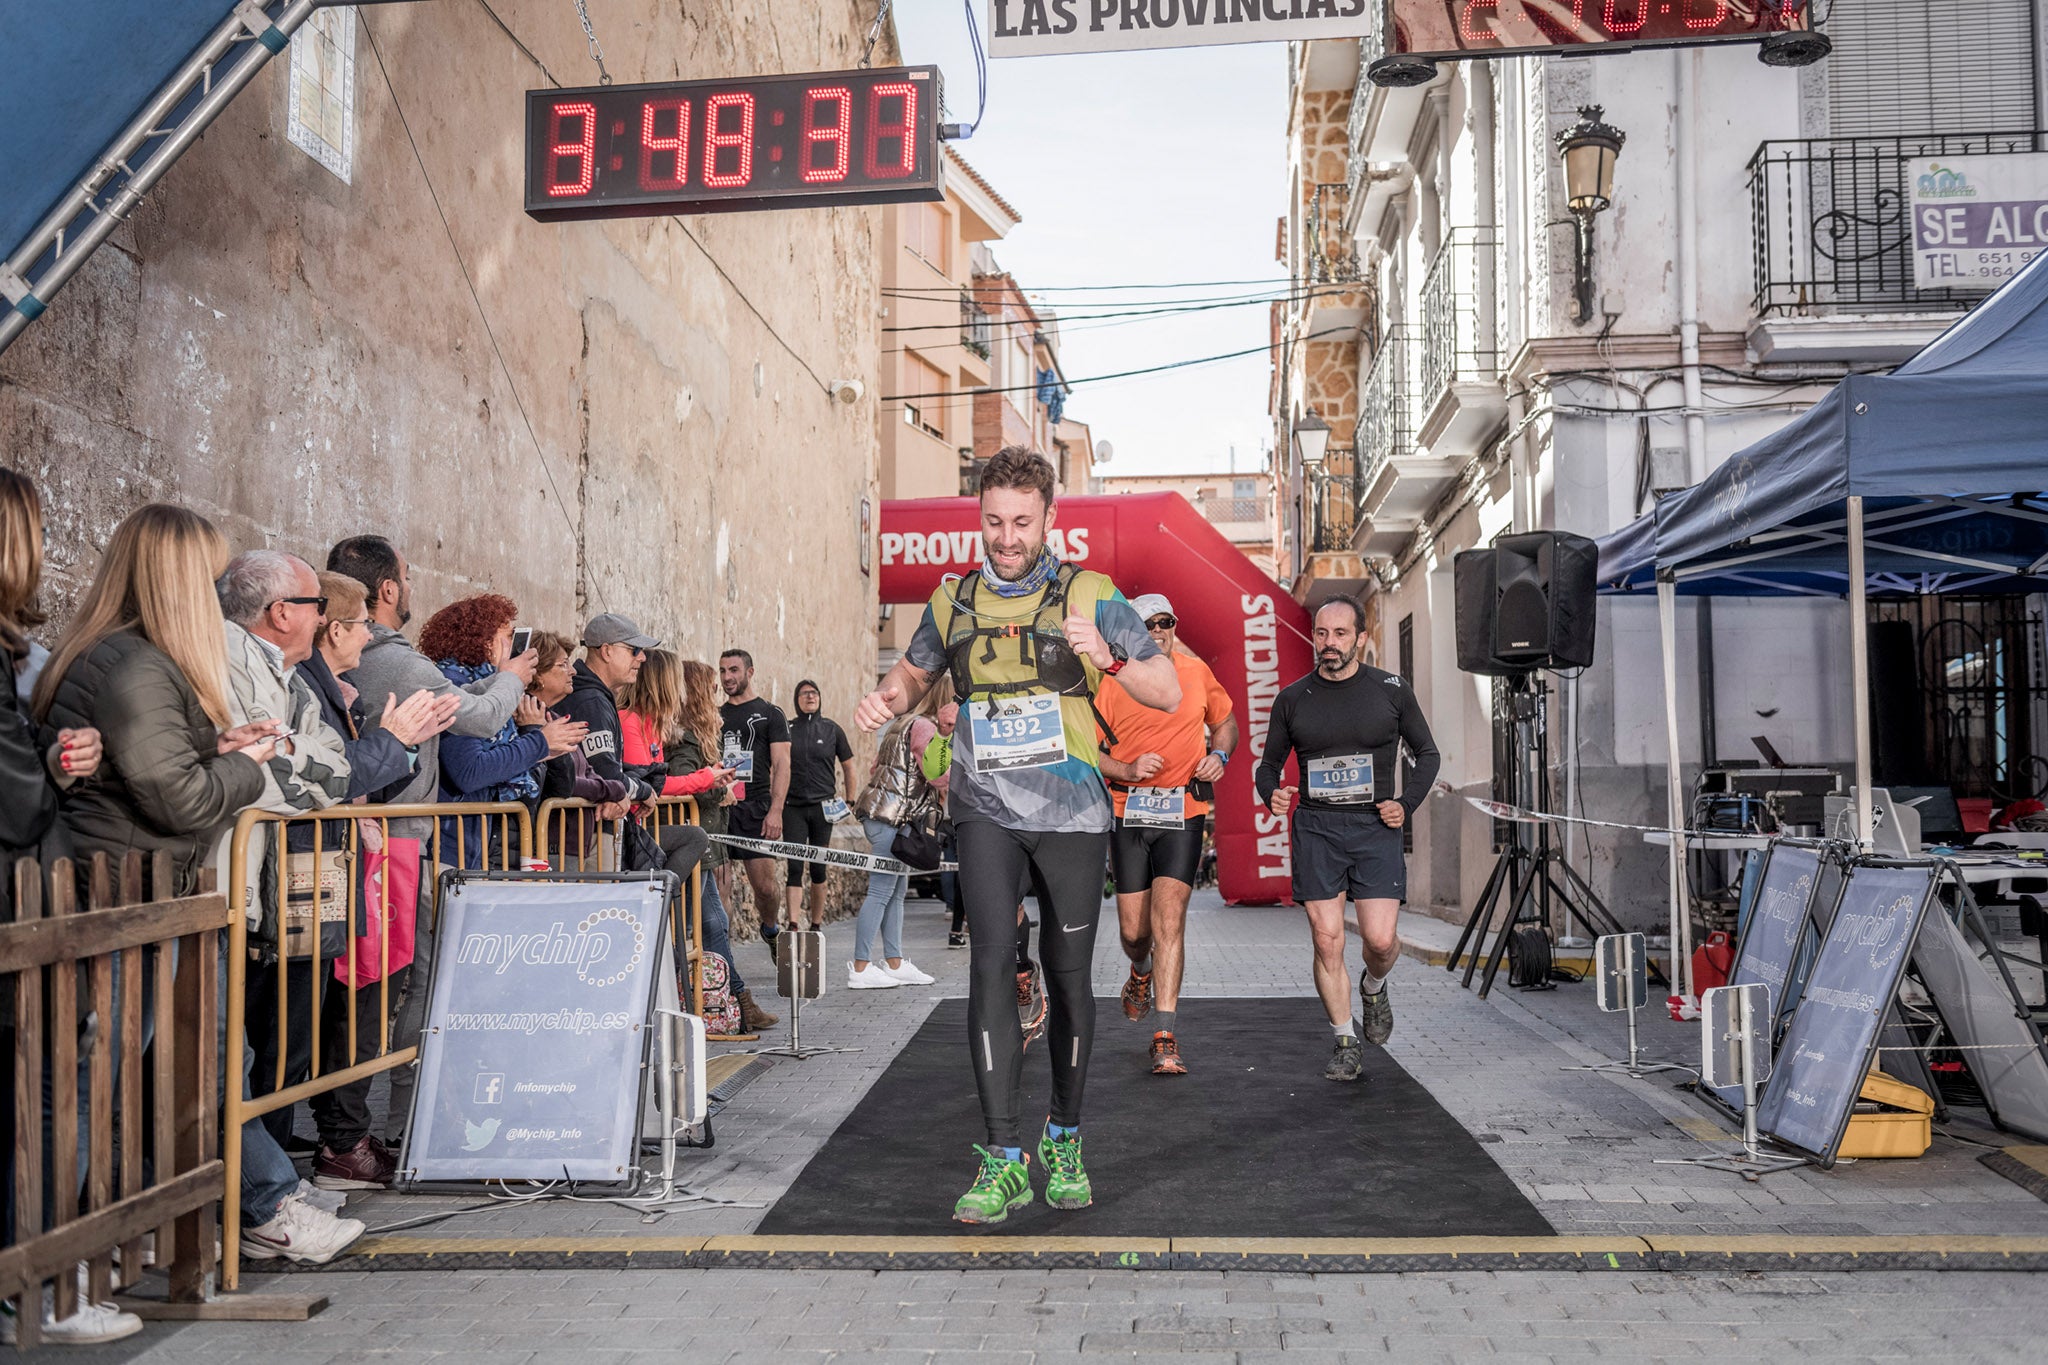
column 145, row 663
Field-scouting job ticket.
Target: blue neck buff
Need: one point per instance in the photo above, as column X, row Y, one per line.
column 1033, row 581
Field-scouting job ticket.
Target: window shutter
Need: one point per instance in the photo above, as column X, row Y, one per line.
column 1905, row 67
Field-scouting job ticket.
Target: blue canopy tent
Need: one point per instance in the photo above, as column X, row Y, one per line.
column 1930, row 479
column 96, row 103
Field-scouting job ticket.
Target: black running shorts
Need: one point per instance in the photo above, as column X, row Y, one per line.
column 1140, row 854
column 804, row 822
column 742, row 823
column 1349, row 853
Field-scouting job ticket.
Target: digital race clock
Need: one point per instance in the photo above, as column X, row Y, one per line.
column 760, row 142
column 1446, row 30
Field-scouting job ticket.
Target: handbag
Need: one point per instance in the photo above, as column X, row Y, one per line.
column 396, row 870
column 639, row 851
column 920, row 844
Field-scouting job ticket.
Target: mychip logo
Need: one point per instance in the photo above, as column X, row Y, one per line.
column 1942, row 182
column 604, row 949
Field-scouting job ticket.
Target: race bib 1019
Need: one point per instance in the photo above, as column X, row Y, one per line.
column 1343, row 781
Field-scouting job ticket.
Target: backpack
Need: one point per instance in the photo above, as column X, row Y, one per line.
column 721, row 1011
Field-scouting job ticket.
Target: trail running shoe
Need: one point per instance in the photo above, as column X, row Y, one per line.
column 1166, row 1056
column 956, row 939
column 1347, row 1063
column 1137, row 995
column 1066, row 1179
column 1030, row 1005
column 1379, row 1016
column 1002, row 1185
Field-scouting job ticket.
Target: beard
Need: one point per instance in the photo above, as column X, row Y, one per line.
column 1031, row 554
column 405, row 609
column 1336, row 661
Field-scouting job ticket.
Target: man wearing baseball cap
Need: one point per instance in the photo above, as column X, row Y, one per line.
column 614, row 647
column 1159, row 766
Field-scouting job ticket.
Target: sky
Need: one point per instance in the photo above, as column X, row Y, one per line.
column 1136, row 168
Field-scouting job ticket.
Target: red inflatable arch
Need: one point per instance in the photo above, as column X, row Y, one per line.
column 1249, row 631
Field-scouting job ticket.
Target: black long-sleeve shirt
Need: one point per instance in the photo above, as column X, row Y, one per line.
column 1370, row 712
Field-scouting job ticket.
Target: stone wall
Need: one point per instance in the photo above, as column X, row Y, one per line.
column 627, row 415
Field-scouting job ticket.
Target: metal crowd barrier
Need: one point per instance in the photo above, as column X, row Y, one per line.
column 598, row 850
column 506, row 831
column 147, row 972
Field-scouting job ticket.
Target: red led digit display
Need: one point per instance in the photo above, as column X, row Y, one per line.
column 835, row 137
column 1450, row 29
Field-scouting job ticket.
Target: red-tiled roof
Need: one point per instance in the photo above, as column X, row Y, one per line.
column 982, row 184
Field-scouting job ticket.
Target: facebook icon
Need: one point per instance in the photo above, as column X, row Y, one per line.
column 490, row 1088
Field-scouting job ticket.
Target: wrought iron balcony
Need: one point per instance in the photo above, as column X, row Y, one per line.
column 1459, row 344
column 1332, row 254
column 1829, row 226
column 1386, row 411
column 1332, row 501
column 975, row 328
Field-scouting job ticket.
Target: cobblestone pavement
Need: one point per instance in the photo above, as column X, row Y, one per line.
column 1013, row 1318
column 1580, row 1144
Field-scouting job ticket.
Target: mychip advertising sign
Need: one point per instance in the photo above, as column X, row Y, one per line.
column 537, row 1026
column 1977, row 220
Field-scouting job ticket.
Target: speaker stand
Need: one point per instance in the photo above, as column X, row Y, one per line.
column 1531, row 872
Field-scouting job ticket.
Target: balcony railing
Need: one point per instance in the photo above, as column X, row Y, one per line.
column 1332, row 254
column 975, row 327
column 1386, row 407
column 1333, row 501
column 1459, row 344
column 1829, row 223
column 1233, row 511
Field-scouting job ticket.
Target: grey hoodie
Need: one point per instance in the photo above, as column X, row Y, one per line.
column 392, row 667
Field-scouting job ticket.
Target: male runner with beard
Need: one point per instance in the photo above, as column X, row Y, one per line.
column 1028, row 641
column 1347, row 722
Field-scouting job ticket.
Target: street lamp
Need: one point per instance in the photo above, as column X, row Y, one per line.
column 1311, row 439
column 1589, row 148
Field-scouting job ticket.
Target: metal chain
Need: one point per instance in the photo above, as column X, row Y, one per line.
column 874, row 34
column 604, row 77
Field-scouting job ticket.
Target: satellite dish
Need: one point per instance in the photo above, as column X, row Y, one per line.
column 1104, row 452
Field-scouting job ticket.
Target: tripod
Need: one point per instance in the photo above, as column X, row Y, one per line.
column 1531, row 872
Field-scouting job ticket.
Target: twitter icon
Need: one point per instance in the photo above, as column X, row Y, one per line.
column 479, row 1134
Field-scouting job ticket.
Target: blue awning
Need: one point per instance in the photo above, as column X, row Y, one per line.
column 72, row 76
column 1949, row 452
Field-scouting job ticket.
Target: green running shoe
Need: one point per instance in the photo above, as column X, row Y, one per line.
column 1002, row 1185
column 1066, row 1179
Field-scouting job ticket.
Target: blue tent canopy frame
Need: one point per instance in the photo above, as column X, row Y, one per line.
column 1930, row 479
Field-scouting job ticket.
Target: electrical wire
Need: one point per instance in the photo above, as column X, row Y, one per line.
column 1100, row 288
column 1163, row 310
column 1121, row 374
column 462, row 265
column 980, row 72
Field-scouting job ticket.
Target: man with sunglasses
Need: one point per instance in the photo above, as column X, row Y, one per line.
column 614, row 647
column 1159, row 766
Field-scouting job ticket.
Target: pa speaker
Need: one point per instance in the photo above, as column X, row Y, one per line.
column 1543, row 599
column 1474, row 591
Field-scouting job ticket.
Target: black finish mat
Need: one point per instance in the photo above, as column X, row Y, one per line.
column 1253, row 1142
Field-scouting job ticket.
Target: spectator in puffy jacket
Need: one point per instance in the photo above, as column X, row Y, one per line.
column 31, row 773
column 470, row 641
column 145, row 663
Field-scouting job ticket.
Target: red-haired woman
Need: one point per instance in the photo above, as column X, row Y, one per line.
column 469, row 641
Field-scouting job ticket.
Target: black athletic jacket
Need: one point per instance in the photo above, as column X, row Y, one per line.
column 591, row 702
column 1370, row 712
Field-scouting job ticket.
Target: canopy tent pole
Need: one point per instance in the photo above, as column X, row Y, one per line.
column 1674, row 789
column 1859, row 674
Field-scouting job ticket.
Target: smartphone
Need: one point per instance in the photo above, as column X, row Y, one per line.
column 522, row 639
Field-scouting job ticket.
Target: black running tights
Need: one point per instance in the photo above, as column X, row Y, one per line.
column 1066, row 873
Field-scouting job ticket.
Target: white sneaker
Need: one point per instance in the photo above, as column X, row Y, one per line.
column 327, row 1201
column 93, row 1324
column 301, row 1233
column 908, row 973
column 873, row 977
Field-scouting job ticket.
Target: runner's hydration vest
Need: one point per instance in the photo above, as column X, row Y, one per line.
column 1025, row 653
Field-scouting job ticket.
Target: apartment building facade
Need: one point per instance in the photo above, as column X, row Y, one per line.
column 1754, row 252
